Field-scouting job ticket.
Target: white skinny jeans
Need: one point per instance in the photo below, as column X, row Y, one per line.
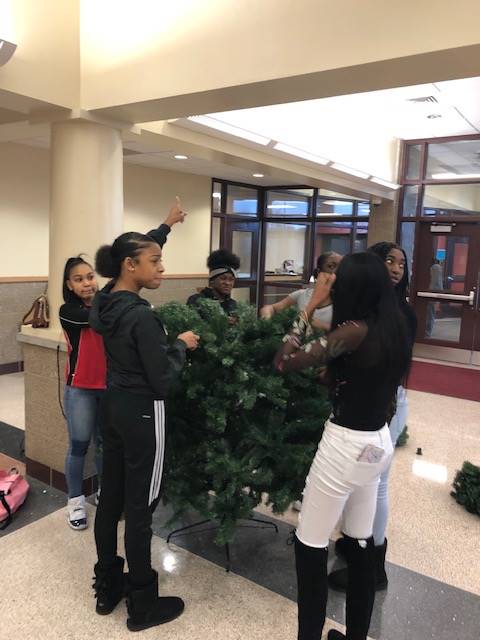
column 338, row 483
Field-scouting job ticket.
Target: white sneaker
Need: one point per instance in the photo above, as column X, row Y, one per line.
column 76, row 514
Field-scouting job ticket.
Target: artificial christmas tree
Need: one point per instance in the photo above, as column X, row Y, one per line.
column 237, row 427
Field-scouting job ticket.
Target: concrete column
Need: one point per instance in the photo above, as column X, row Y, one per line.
column 86, row 191
column 382, row 224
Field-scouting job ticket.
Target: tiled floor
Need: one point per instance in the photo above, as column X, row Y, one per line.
column 433, row 555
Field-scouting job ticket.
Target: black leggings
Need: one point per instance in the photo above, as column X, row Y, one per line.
column 133, row 454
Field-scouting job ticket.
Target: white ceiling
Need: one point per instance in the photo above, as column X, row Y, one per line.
column 453, row 107
column 388, row 115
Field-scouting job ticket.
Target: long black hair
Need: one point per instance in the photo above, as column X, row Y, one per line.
column 382, row 249
column 109, row 258
column 364, row 291
column 74, row 261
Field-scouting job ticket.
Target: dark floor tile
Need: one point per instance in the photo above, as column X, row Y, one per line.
column 12, row 441
column 415, row 607
column 41, row 501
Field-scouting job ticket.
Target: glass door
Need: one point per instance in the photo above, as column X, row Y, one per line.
column 242, row 239
column 446, row 293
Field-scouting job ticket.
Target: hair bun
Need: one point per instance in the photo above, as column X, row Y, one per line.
column 105, row 263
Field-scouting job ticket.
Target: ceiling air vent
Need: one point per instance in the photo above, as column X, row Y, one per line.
column 423, row 99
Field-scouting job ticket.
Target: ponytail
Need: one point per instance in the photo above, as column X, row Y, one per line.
column 109, row 258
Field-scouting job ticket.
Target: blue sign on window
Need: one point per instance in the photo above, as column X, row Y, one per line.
column 440, row 255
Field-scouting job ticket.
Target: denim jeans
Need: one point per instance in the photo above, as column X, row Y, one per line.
column 84, row 409
column 396, row 427
column 339, row 483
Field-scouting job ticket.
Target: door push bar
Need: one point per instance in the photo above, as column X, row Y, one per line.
column 449, row 296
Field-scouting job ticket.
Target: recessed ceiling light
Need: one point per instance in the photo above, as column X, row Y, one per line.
column 258, row 175
column 180, row 157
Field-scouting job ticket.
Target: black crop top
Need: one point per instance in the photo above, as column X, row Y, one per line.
column 363, row 389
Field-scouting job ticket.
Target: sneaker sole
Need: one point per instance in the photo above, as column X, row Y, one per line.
column 81, row 527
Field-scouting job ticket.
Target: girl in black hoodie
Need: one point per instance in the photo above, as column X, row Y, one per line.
column 141, row 367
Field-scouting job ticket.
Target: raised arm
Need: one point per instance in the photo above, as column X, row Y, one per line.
column 176, row 214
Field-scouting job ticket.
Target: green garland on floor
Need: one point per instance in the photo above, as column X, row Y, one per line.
column 403, row 437
column 235, row 426
column 466, row 487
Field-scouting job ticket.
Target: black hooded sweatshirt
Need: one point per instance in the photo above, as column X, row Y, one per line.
column 139, row 358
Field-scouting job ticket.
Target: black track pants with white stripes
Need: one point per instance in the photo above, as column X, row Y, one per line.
column 133, row 455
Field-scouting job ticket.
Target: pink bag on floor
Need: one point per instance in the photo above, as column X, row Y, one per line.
column 13, row 491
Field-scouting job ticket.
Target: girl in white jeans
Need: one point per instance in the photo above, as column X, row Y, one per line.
column 395, row 261
column 366, row 354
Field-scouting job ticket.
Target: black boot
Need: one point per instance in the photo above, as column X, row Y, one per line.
column 340, row 547
column 109, row 585
column 360, row 588
column 337, row 580
column 146, row 609
column 312, row 587
column 381, row 579
column 333, row 634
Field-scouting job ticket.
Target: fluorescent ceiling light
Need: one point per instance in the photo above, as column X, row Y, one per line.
column 216, row 195
column 353, row 172
column 385, row 183
column 7, row 49
column 180, row 157
column 281, row 206
column 213, row 123
column 258, row 175
column 454, row 176
column 299, row 153
column 339, row 202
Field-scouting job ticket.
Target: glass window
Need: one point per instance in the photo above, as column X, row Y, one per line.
column 444, row 321
column 242, row 200
column 333, row 207
column 451, row 200
column 363, row 209
column 333, row 236
column 216, row 225
column 360, row 241
column 414, row 152
column 453, row 160
column 241, row 294
column 285, row 251
column 449, row 263
column 288, row 203
column 217, row 197
column 273, row 293
column 407, row 241
column 410, row 200
column 242, row 243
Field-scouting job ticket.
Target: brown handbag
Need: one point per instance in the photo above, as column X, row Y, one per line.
column 37, row 315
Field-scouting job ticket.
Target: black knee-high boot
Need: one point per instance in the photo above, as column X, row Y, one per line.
column 360, row 556
column 312, row 588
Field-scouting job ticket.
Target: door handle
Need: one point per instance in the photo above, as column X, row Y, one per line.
column 449, row 296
